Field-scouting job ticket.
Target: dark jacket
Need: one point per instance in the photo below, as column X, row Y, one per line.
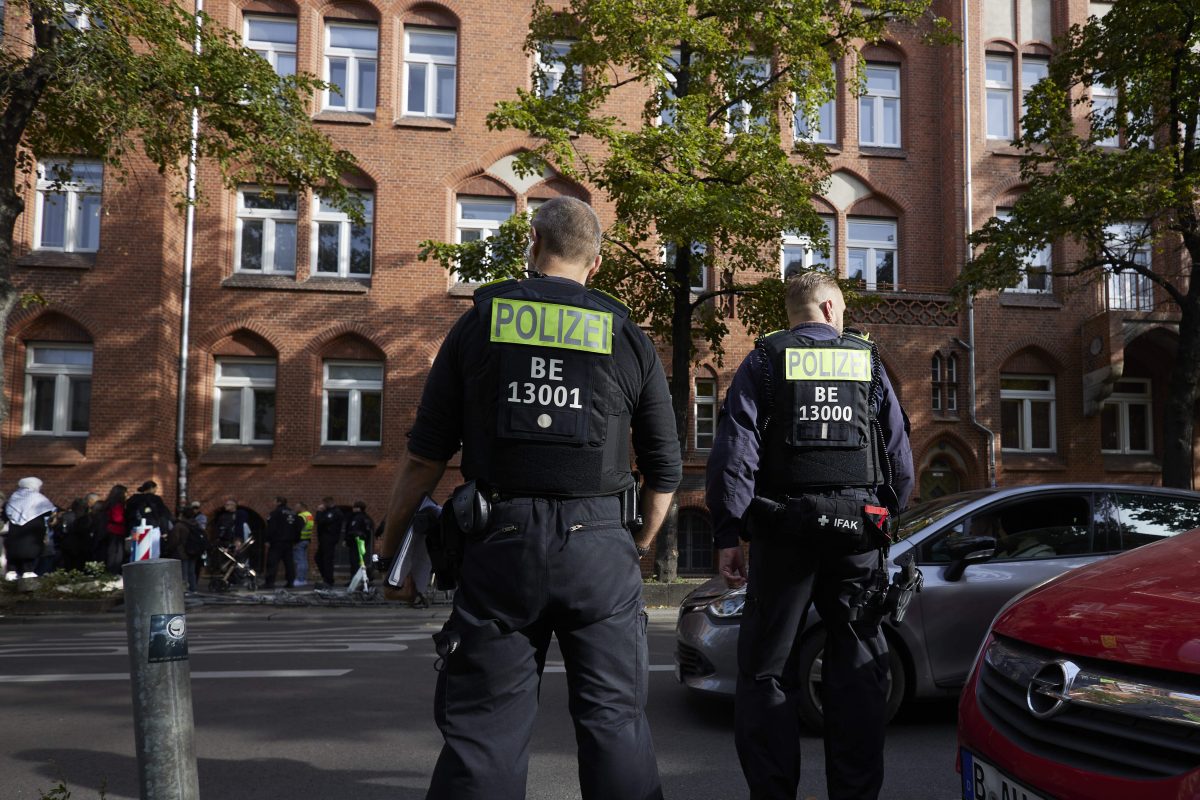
column 283, row 526
column 331, row 524
column 359, row 526
column 151, row 508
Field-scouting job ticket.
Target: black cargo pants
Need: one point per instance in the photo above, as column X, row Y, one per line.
column 788, row 572
column 562, row 567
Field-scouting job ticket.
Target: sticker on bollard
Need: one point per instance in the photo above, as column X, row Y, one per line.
column 168, row 638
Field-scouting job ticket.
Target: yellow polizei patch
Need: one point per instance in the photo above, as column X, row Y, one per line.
column 826, row 364
column 551, row 325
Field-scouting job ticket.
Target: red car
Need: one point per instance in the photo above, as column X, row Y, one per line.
column 1088, row 686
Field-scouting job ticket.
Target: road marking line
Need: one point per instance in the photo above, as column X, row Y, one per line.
column 124, row 676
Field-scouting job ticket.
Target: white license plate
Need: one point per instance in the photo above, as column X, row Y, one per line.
column 982, row 781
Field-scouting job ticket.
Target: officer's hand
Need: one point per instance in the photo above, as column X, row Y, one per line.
column 731, row 567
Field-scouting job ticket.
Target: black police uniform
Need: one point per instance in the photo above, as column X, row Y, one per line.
column 541, row 383
column 283, row 531
column 802, row 426
column 331, row 524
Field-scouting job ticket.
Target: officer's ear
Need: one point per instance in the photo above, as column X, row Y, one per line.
column 594, row 269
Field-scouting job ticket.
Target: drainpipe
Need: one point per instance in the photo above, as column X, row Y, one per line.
column 189, row 241
column 969, row 210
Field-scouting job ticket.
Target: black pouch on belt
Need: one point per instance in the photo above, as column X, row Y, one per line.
column 836, row 522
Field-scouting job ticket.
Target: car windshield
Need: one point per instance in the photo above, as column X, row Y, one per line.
column 927, row 513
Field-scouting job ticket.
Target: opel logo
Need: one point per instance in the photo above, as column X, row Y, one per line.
column 1050, row 689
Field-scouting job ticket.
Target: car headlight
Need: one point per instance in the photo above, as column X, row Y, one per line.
column 729, row 604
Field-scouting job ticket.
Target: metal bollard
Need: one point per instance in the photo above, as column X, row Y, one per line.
column 160, row 676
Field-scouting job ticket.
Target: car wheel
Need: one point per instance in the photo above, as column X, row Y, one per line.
column 810, row 658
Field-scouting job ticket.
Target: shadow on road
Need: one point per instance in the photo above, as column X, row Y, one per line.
column 91, row 771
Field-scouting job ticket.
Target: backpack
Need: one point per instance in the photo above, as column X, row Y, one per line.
column 195, row 541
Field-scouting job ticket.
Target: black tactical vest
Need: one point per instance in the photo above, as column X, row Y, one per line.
column 821, row 428
column 556, row 419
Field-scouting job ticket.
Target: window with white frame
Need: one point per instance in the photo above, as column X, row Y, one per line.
column 1125, row 418
column 58, row 389
column 351, row 64
column 273, row 38
column 704, row 412
column 798, row 253
column 1035, row 274
column 998, row 81
column 1027, row 418
column 244, row 405
column 820, row 127
column 352, row 403
column 1104, row 113
column 754, row 72
column 698, row 268
column 339, row 245
column 945, row 383
column 265, row 236
column 1128, row 289
column 1033, row 69
column 68, row 205
column 551, row 74
column 879, row 107
column 871, row 252
column 430, row 64
column 479, row 218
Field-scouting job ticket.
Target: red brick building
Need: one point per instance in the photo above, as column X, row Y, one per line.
column 310, row 337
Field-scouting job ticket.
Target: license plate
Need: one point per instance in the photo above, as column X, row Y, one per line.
column 982, row 781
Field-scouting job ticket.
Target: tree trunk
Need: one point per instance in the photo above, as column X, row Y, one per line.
column 1180, row 412
column 666, row 557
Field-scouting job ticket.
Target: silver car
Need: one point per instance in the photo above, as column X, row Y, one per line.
column 977, row 549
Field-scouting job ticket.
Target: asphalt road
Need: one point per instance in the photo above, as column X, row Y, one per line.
column 337, row 703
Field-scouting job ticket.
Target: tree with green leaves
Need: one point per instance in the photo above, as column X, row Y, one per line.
column 701, row 179
column 117, row 80
column 1121, row 188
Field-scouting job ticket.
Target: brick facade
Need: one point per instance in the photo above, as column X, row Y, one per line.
column 125, row 299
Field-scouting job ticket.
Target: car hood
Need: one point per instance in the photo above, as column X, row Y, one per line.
column 1141, row 607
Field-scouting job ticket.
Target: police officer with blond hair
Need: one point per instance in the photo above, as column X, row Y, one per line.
column 810, row 459
column 540, row 384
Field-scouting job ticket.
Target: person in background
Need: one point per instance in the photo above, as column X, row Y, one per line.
column 189, row 541
column 198, row 515
column 300, row 552
column 232, row 524
column 331, row 524
column 146, row 506
column 28, row 512
column 77, row 525
column 360, row 527
column 283, row 531
column 110, row 530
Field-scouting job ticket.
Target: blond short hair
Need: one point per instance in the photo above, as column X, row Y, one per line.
column 805, row 291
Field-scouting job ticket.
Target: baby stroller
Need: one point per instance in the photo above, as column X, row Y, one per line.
column 229, row 566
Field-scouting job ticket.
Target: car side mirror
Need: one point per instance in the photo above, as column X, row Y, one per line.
column 966, row 551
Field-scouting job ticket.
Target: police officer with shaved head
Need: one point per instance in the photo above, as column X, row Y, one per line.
column 810, row 460
column 540, row 383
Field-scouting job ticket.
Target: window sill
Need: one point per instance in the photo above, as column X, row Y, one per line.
column 1030, row 462
column 1004, row 148
column 463, row 289
column 945, row 416
column 346, row 456
column 432, row 123
column 882, row 152
column 1030, row 300
column 54, row 258
column 288, row 283
column 237, row 454
column 1131, row 462
column 56, row 451
column 345, row 117
column 831, row 148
